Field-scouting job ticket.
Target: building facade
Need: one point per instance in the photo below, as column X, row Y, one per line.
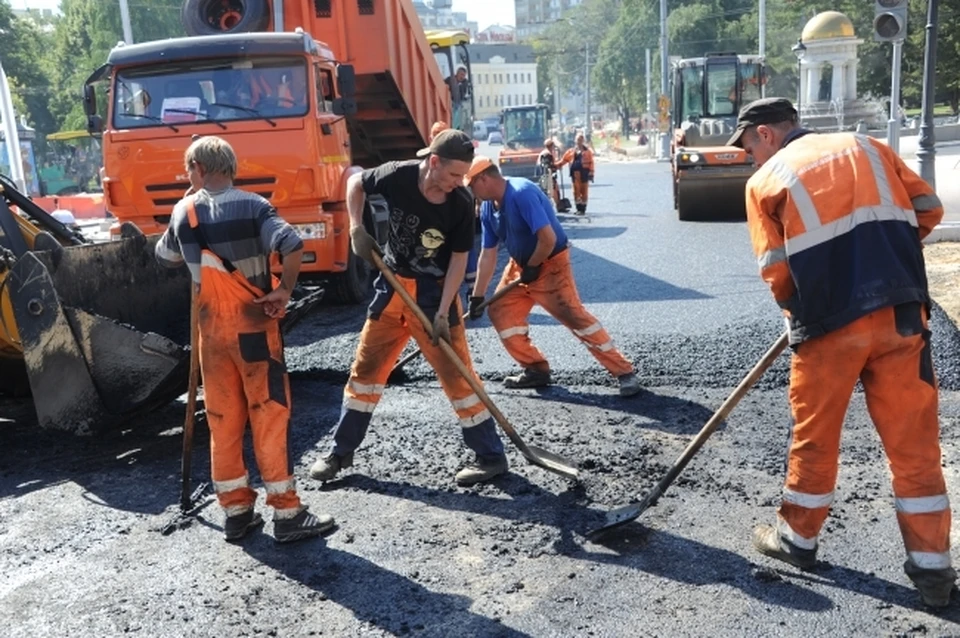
column 503, row 75
column 533, row 16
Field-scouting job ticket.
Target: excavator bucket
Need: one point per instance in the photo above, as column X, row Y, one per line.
column 102, row 329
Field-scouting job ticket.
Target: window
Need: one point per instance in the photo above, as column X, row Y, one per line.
column 213, row 89
column 528, row 79
column 509, row 101
column 324, row 89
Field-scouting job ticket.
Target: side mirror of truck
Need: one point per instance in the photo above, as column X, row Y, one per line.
column 344, row 106
column 89, row 100
column 94, row 124
column 346, row 81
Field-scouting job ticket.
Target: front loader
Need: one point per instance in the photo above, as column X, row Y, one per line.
column 97, row 333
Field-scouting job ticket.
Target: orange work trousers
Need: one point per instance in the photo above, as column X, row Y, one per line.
column 581, row 187
column 556, row 292
column 244, row 379
column 382, row 340
column 889, row 352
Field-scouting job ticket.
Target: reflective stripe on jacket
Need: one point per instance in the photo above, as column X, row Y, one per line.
column 836, row 222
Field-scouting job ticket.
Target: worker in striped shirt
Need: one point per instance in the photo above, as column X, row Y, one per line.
column 226, row 237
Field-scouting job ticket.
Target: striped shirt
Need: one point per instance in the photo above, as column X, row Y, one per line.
column 238, row 226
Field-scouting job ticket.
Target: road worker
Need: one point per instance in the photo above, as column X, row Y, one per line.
column 226, row 236
column 471, row 274
column 517, row 213
column 547, row 161
column 431, row 232
column 580, row 159
column 836, row 221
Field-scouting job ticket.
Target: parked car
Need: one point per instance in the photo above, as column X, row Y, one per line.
column 479, row 130
column 495, row 138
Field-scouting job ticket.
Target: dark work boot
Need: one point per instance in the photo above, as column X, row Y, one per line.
column 303, row 525
column 934, row 585
column 237, row 527
column 529, row 378
column 581, row 209
column 327, row 467
column 767, row 541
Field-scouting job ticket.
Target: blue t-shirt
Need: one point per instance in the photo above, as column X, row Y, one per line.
column 524, row 210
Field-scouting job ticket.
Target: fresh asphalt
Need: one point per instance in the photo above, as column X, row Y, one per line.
column 415, row 555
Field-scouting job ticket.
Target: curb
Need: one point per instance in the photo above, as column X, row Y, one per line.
column 947, row 231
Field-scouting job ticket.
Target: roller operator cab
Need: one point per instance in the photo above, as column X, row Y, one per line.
column 709, row 177
column 524, row 129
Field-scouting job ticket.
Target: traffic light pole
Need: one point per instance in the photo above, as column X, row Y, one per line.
column 893, row 124
column 926, row 153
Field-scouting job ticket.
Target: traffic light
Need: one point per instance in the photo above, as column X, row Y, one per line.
column 890, row 20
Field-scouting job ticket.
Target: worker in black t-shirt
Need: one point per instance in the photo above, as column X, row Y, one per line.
column 431, row 233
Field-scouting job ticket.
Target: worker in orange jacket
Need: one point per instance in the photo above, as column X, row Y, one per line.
column 836, row 222
column 548, row 162
column 580, row 159
column 518, row 213
column 226, row 237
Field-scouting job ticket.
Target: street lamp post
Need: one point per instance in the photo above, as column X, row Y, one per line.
column 799, row 50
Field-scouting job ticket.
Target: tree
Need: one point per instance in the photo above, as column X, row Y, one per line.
column 21, row 49
column 85, row 34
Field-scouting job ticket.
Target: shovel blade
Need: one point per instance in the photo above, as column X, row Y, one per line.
column 552, row 462
column 618, row 518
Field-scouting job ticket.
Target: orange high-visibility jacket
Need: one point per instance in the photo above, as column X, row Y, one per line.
column 580, row 161
column 836, row 222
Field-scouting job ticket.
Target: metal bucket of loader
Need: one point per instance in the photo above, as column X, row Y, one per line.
column 104, row 331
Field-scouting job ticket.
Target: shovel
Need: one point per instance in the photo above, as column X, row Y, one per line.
column 627, row 513
column 190, row 502
column 398, row 369
column 535, row 455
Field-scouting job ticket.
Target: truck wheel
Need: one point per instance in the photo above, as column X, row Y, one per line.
column 352, row 285
column 212, row 17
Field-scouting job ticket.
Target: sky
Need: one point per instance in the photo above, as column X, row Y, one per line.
column 487, row 12
column 484, row 12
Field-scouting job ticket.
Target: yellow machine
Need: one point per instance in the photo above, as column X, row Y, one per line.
column 97, row 333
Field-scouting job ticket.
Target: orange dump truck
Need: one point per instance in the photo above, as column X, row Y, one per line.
column 307, row 92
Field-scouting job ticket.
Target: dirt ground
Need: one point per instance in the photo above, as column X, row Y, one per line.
column 943, row 271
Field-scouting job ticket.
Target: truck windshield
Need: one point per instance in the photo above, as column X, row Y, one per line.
column 525, row 127
column 210, row 90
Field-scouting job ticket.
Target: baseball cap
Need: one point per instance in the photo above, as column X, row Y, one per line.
column 768, row 110
column 480, row 164
column 450, row 144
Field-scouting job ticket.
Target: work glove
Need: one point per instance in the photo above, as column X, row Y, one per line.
column 441, row 328
column 363, row 244
column 529, row 274
column 476, row 311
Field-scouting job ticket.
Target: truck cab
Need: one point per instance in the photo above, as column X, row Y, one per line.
column 452, row 56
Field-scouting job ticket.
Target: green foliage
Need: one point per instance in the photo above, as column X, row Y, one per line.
column 696, row 27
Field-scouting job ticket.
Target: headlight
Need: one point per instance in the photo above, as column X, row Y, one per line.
column 694, row 157
column 312, row 231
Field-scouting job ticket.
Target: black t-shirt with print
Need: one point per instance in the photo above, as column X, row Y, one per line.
column 422, row 235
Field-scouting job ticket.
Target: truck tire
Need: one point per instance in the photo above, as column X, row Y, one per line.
column 353, row 284
column 213, row 17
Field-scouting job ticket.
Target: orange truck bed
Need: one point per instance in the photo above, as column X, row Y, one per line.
column 400, row 92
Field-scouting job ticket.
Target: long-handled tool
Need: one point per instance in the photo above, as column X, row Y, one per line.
column 623, row 515
column 190, row 502
column 564, row 204
column 535, row 455
column 416, row 353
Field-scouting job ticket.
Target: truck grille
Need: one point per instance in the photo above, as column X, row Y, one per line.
column 169, row 194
